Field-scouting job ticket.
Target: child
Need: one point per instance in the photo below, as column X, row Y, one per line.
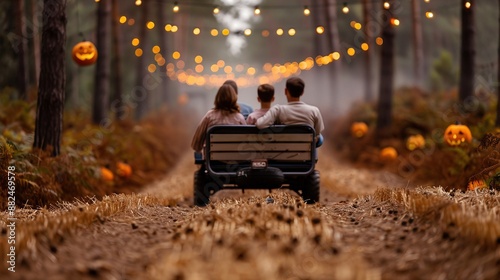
column 265, row 97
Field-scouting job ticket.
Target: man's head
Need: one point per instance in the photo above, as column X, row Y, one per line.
column 232, row 84
column 295, row 87
column 265, row 93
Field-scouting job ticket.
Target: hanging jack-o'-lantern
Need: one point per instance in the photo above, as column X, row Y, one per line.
column 84, row 53
column 456, row 134
column 359, row 129
column 415, row 142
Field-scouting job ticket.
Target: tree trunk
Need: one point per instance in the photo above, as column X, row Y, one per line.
column 368, row 71
column 22, row 50
column 117, row 105
column 142, row 94
column 330, row 8
column 467, row 52
column 384, row 108
column 36, row 40
column 102, row 73
column 50, row 105
column 497, row 122
column 418, row 49
column 166, row 97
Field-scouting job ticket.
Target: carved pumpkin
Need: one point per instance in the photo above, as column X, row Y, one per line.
column 106, row 174
column 84, row 53
column 359, row 129
column 415, row 142
column 477, row 184
column 456, row 134
column 123, row 169
column 388, row 154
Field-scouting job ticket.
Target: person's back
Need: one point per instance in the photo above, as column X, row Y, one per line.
column 295, row 111
column 265, row 96
column 225, row 112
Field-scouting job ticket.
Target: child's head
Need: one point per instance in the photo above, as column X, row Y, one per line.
column 265, row 93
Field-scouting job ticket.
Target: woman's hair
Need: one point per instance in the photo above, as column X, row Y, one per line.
column 226, row 98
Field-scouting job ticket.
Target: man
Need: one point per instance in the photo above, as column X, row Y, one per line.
column 295, row 111
column 245, row 109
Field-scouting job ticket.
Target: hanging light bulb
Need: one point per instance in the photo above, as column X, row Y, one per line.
column 395, row 21
column 387, row 5
column 306, row 11
column 257, row 10
column 427, row 1
column 216, row 10
column 138, row 2
column 429, row 14
column 467, row 5
column 345, row 9
column 176, row 7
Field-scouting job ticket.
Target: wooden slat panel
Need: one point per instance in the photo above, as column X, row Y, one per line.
column 286, row 137
column 287, row 156
column 243, row 147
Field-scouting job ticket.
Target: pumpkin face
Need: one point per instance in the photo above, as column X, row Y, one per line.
column 106, row 174
column 388, row 154
column 415, row 142
column 456, row 134
column 84, row 53
column 123, row 169
column 359, row 129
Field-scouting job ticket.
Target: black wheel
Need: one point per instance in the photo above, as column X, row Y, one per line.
column 310, row 191
column 201, row 195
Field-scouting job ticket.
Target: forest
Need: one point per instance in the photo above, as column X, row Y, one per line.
column 99, row 100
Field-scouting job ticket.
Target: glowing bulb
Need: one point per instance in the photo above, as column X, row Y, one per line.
column 198, row 59
column 279, row 32
column 257, row 10
column 225, row 31
column 345, row 9
column 176, row 55
column 150, row 25
column 123, row 19
column 364, row 46
column 155, row 49
column 429, row 14
column 265, row 33
column 379, row 41
column 176, row 7
column 138, row 2
column 97, row 1
column 320, row 29
column 427, row 1
column 306, row 11
column 351, row 51
column 467, row 5
column 138, row 52
column 214, row 32
column 387, row 5
column 196, row 31
column 247, row 32
column 291, row 32
column 216, row 10
column 135, row 42
column 395, row 21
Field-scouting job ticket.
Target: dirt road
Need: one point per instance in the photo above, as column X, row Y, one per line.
column 349, row 235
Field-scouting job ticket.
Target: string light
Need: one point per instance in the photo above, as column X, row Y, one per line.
column 345, row 9
column 196, row 31
column 176, row 7
column 387, row 5
column 123, row 19
column 306, row 11
column 150, row 25
column 97, row 1
column 291, row 32
column 467, row 5
column 364, row 47
column 320, row 29
column 138, row 2
column 395, row 21
column 216, row 10
column 429, row 14
column 279, row 32
column 427, row 1
column 257, row 10
column 247, row 32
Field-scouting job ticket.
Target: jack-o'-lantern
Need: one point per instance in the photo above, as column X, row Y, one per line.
column 123, row 169
column 476, row 184
column 456, row 134
column 388, row 154
column 415, row 142
column 359, row 129
column 84, row 53
column 106, row 174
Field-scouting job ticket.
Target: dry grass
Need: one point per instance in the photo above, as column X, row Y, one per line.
column 475, row 215
column 41, row 228
column 251, row 239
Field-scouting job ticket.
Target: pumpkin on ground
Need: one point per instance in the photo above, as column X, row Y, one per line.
column 456, row 134
column 106, row 174
column 359, row 129
column 388, row 154
column 476, row 184
column 123, row 169
column 84, row 53
column 415, row 142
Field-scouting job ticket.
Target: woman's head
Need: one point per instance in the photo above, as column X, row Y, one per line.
column 226, row 99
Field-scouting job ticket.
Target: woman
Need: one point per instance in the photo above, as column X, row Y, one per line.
column 226, row 111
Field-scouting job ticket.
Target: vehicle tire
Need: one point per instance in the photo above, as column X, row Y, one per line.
column 310, row 191
column 201, row 195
